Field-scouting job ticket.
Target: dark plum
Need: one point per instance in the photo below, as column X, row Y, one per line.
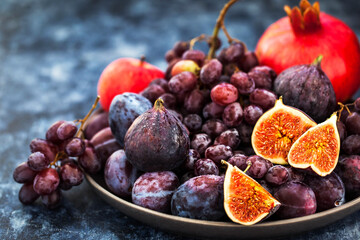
column 224, row 94
column 71, row 174
column 267, row 187
column 124, row 109
column 75, row 147
column 351, row 145
column 95, row 124
column 205, row 166
column 194, row 102
column 244, row 84
column 192, row 157
column 213, row 110
column 102, row 136
column 119, row 174
column 89, row 161
column 229, row 138
column 233, row 114
column 213, row 127
column 157, row 140
column 37, row 161
column 297, row 200
column 182, row 82
column 52, row 200
column 252, row 113
column 154, row 190
column 211, row 72
column 193, row 122
column 199, row 198
column 51, row 133
column 66, row 130
column 329, row 190
column 296, row 175
column 45, row 147
column 152, row 92
column 200, row 142
column 353, row 123
column 46, row 181
column 187, row 176
column 263, row 98
column 263, row 76
column 104, row 145
column 218, row 152
column 27, row 195
column 24, row 174
column 349, row 171
column 194, row 55
column 277, row 175
column 259, row 166
column 169, row 100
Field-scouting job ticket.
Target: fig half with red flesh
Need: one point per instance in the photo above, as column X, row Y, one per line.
column 276, row 131
column 318, row 148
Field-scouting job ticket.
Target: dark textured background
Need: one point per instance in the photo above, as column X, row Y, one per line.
column 51, row 55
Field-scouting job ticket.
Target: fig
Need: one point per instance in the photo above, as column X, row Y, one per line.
column 245, row 200
column 307, row 88
column 157, row 140
column 276, row 131
column 318, row 148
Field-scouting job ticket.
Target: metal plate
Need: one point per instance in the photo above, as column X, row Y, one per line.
column 213, row 229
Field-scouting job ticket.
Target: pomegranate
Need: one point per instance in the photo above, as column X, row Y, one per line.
column 307, row 33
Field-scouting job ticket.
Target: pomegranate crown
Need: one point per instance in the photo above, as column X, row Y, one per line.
column 305, row 17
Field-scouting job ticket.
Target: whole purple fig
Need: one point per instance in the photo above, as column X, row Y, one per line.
column 157, row 140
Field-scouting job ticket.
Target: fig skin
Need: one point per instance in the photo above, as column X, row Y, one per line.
column 308, row 88
column 157, row 140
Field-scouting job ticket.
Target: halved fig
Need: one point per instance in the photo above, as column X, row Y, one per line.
column 245, row 200
column 317, row 148
column 276, row 131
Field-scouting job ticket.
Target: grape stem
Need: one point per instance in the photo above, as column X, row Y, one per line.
column 342, row 106
column 248, row 166
column 59, row 155
column 83, row 121
column 194, row 40
column 218, row 25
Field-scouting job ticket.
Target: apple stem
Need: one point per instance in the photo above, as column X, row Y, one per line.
column 142, row 60
column 82, row 126
column 218, row 25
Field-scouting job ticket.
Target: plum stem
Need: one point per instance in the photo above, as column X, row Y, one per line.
column 218, row 25
column 83, row 121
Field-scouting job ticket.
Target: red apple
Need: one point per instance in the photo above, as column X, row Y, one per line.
column 125, row 75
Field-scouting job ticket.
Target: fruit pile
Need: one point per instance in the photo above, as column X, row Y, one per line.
column 215, row 135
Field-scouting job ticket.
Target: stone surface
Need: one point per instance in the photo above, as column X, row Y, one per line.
column 51, row 55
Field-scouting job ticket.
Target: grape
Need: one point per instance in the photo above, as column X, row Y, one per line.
column 213, row 127
column 249, row 61
column 230, row 69
column 349, row 171
column 170, row 67
column 351, row 145
column 46, row 181
column 297, row 200
column 224, row 78
column 27, row 195
column 239, row 160
column 124, row 109
column 229, row 138
column 263, row 98
column 187, row 176
column 180, row 47
column 89, row 161
column 66, row 130
column 252, row 113
column 152, row 92
column 154, row 190
column 244, row 84
column 194, row 55
column 170, row 55
column 211, row 72
column 205, row 166
column 45, row 147
column 51, row 200
column 193, row 122
column 218, row 152
column 177, row 115
column 51, row 133
column 192, row 157
column 248, row 150
column 200, row 142
column 200, row 198
column 161, row 82
column 245, row 132
column 224, row 94
column 95, row 124
column 194, row 101
column 75, row 147
column 259, row 166
column 182, row 82
column 277, row 175
column 353, row 123
column 263, row 76
column 213, row 110
column 169, row 100
column 329, row 190
column 37, row 161
column 234, row 52
column 71, row 174
column 24, row 174
column 357, row 104
column 119, row 174
column 342, row 130
column 233, row 115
